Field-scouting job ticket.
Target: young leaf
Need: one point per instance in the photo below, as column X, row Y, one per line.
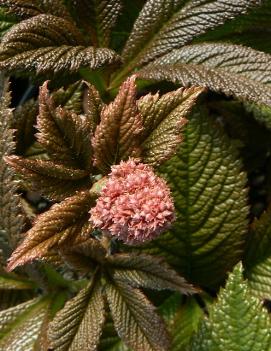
column 65, row 135
column 215, row 79
column 97, row 18
column 211, row 203
column 135, row 318
column 140, row 270
column 166, row 25
column 237, row 322
column 64, row 222
column 19, row 321
column 78, row 326
column 51, row 179
column 11, row 217
column 118, row 135
column 258, row 256
column 163, row 120
column 34, row 46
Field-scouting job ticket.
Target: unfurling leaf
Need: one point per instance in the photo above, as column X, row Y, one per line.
column 240, row 313
column 135, row 318
column 166, row 25
column 208, row 187
column 19, row 321
column 78, row 326
column 118, row 135
column 64, row 224
column 32, row 45
column 140, row 270
column 51, row 179
column 11, row 216
column 65, row 135
column 215, row 79
column 163, row 120
column 258, row 256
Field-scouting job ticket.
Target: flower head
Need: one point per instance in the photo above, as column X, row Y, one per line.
column 135, row 204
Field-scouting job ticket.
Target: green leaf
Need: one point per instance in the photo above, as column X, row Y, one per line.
column 237, row 322
column 34, row 46
column 19, row 321
column 215, row 79
column 163, row 121
column 64, row 224
column 140, row 270
column 135, row 319
column 6, row 21
column 165, row 25
column 78, row 326
column 97, row 18
column 257, row 260
column 53, row 180
column 183, row 318
column 12, row 282
column 117, row 137
column 234, row 59
column 208, row 187
column 11, row 216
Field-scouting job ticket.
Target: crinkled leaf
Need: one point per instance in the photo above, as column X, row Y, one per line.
column 163, row 120
column 24, row 119
column 51, row 179
column 78, row 326
column 135, row 319
column 20, row 321
column 62, row 224
column 97, row 18
column 250, row 29
column 234, row 59
column 34, row 46
column 117, row 136
column 258, row 256
column 11, row 217
column 29, row 8
column 140, row 270
column 65, row 135
column 215, row 79
column 93, row 105
column 165, row 25
column 237, row 322
column 208, row 187
column 84, row 257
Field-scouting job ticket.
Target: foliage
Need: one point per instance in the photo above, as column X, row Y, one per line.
column 127, row 104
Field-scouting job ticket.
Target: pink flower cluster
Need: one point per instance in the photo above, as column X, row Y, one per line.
column 135, row 204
